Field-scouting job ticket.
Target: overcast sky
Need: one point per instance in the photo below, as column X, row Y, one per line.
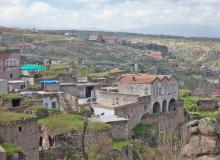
column 115, row 15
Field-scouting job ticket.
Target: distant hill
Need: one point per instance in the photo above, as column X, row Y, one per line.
column 180, row 30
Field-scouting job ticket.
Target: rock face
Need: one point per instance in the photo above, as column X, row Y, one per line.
column 203, row 141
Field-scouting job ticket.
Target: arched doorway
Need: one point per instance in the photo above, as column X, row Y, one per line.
column 164, row 106
column 172, row 105
column 156, row 108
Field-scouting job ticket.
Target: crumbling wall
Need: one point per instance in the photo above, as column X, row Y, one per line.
column 23, row 133
column 100, row 140
column 119, row 129
column 2, row 153
column 166, row 120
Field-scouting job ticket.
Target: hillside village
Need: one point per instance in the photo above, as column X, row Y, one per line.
column 98, row 95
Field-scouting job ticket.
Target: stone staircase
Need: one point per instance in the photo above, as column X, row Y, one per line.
column 67, row 103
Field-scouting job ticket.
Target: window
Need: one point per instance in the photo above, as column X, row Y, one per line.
column 160, row 93
column 145, row 107
column 146, row 91
column 12, row 63
column 20, row 129
column 11, row 75
column 45, row 104
column 54, row 105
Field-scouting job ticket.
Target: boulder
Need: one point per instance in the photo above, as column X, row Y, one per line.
column 192, row 123
column 215, row 157
column 209, row 144
column 207, row 126
column 193, row 148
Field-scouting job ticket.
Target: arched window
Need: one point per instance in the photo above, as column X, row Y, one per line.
column 156, row 108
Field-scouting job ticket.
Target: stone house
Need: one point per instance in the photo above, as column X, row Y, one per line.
column 21, row 131
column 10, row 63
column 162, row 89
column 136, row 95
column 207, row 104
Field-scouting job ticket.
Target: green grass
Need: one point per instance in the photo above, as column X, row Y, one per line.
column 200, row 115
column 8, row 97
column 6, row 117
column 119, row 144
column 141, row 128
column 58, row 66
column 62, row 123
column 10, row 149
column 190, row 103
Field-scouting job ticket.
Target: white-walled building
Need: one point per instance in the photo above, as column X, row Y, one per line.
column 17, row 85
column 3, row 86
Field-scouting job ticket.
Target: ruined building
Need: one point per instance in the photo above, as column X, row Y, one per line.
column 21, row 130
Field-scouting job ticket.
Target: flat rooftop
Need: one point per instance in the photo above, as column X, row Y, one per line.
column 38, row 92
column 107, row 119
column 112, row 106
column 79, row 84
column 16, row 81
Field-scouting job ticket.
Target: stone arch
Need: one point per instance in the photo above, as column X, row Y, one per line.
column 156, row 108
column 172, row 105
column 164, row 106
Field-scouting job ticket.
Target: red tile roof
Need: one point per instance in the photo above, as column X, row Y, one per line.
column 141, row 78
column 155, row 53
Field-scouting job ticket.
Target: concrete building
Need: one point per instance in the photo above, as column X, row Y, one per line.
column 17, row 85
column 50, row 85
column 82, row 89
column 10, row 63
column 3, row 86
column 136, row 95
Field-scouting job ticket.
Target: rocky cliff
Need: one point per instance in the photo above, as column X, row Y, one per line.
column 202, row 140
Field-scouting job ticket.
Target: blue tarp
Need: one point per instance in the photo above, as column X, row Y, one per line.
column 50, row 82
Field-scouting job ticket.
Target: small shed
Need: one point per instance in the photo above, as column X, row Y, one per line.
column 50, row 85
column 17, row 85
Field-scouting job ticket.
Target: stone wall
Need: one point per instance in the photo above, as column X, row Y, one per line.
column 2, row 153
column 23, row 133
column 117, row 98
column 166, row 120
column 202, row 140
column 71, row 89
column 133, row 112
column 119, row 129
column 99, row 140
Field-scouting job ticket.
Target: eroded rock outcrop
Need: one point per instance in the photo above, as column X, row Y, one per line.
column 202, row 137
